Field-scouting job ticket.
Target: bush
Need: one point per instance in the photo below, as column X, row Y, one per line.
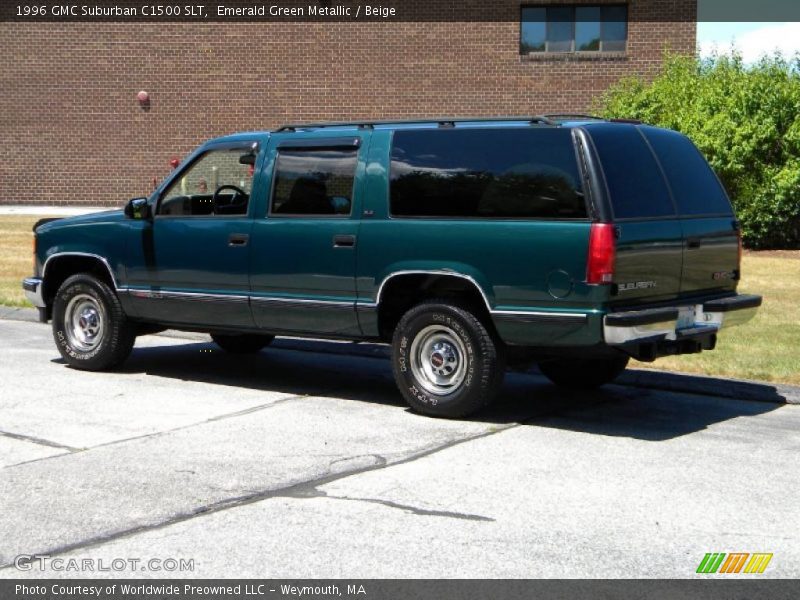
column 745, row 119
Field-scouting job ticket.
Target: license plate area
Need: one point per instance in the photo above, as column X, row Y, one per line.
column 686, row 317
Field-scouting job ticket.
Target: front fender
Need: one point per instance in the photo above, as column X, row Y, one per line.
column 103, row 241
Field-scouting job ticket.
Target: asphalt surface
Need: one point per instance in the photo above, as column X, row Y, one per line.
column 302, row 461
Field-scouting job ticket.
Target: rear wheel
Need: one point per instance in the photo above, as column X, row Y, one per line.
column 583, row 374
column 445, row 361
column 242, row 344
column 90, row 328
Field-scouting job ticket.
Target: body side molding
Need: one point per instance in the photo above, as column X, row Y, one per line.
column 577, row 316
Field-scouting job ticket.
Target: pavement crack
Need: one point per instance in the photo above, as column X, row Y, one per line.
column 42, row 442
column 377, row 459
column 415, row 510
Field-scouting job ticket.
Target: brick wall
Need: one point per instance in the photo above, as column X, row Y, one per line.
column 73, row 132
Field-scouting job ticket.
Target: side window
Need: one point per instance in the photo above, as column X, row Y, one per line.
column 216, row 184
column 696, row 189
column 314, row 182
column 486, row 173
column 634, row 179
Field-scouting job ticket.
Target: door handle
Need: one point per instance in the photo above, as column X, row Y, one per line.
column 693, row 242
column 344, row 241
column 238, row 239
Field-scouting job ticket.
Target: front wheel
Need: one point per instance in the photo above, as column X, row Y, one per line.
column 90, row 328
column 583, row 374
column 242, row 344
column 445, row 361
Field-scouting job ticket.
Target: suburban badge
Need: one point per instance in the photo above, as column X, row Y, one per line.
column 636, row 285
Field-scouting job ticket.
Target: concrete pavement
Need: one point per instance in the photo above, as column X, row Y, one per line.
column 304, row 463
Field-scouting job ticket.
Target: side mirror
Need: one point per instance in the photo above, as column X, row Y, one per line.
column 138, row 208
column 248, row 159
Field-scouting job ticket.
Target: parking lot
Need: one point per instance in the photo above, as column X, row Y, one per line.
column 302, row 461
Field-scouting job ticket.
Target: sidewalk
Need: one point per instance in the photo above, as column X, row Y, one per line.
column 50, row 211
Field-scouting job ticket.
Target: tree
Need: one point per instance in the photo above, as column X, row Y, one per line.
column 744, row 118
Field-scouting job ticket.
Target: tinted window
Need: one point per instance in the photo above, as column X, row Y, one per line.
column 216, row 184
column 615, row 28
column 574, row 28
column 587, row 29
column 314, row 182
column 533, row 30
column 633, row 176
column 485, row 173
column 560, row 29
column 696, row 189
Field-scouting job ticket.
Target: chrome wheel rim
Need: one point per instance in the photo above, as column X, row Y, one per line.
column 438, row 360
column 84, row 322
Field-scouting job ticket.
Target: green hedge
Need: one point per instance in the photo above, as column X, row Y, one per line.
column 745, row 119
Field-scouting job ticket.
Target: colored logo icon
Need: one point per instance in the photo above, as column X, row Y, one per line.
column 737, row 562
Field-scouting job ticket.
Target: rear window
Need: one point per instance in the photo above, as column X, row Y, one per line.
column 634, row 178
column 695, row 187
column 486, row 173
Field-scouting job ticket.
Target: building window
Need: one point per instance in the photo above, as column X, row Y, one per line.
column 565, row 28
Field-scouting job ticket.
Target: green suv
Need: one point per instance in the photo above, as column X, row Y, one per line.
column 468, row 245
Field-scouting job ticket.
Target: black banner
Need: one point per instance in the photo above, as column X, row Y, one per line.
column 360, row 11
column 380, row 589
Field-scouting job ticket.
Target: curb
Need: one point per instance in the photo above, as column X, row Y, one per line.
column 736, row 389
column 19, row 313
column 704, row 385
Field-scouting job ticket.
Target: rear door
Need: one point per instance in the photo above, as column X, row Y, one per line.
column 649, row 232
column 711, row 245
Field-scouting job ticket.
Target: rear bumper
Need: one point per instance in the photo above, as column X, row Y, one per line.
column 33, row 291
column 677, row 329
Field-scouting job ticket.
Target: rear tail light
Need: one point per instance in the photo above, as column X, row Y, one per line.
column 602, row 254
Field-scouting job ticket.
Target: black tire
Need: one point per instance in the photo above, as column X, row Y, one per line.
column 242, row 344
column 583, row 374
column 476, row 378
column 85, row 299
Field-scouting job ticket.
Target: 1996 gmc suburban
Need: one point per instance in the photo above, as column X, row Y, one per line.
column 468, row 245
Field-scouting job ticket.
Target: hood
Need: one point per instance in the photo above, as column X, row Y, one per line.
column 106, row 216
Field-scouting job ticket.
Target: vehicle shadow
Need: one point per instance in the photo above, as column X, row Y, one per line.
column 363, row 374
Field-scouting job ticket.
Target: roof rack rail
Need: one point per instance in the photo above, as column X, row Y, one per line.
column 631, row 121
column 441, row 122
column 570, row 116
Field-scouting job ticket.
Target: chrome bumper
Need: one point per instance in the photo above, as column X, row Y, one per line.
column 675, row 323
column 33, row 291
